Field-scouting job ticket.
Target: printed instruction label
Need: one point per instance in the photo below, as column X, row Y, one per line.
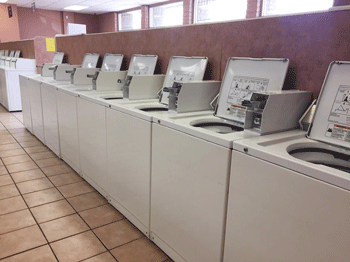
column 338, row 132
column 140, row 70
column 340, row 112
column 181, row 77
column 242, row 88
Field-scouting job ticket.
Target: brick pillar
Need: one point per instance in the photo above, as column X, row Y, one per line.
column 341, row 2
column 254, row 8
column 116, row 22
column 144, row 17
column 188, row 12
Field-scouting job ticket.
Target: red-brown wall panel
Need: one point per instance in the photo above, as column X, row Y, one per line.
column 25, row 46
column 310, row 41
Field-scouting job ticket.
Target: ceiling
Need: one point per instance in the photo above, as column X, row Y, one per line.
column 94, row 6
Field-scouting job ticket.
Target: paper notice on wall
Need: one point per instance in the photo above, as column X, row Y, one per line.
column 50, row 45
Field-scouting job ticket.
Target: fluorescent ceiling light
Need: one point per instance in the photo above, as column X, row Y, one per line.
column 75, row 7
column 3, row 1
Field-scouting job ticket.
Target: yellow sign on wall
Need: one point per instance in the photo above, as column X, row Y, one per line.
column 50, row 45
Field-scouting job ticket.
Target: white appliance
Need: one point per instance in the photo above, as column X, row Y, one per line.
column 10, row 96
column 191, row 159
column 129, row 129
column 289, row 194
column 91, row 116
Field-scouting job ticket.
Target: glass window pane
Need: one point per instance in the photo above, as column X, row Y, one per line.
column 280, row 7
column 166, row 15
column 220, row 10
column 129, row 20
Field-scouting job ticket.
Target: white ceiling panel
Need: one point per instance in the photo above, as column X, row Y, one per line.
column 95, row 6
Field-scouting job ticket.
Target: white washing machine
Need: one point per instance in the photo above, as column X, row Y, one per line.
column 289, row 193
column 129, row 147
column 191, row 159
column 91, row 120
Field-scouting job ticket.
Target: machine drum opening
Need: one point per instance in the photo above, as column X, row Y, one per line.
column 221, row 128
column 154, row 109
column 322, row 156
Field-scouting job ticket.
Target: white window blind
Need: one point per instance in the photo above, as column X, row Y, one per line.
column 166, row 15
column 129, row 20
column 219, row 10
column 281, row 7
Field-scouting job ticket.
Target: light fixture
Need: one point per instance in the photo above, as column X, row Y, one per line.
column 75, row 7
column 3, row 1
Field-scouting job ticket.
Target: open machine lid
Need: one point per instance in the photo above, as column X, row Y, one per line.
column 17, row 54
column 112, row 63
column 242, row 77
column 183, row 69
column 58, row 58
column 2, row 52
column 6, row 52
column 142, row 65
column 90, row 60
column 331, row 121
column 12, row 53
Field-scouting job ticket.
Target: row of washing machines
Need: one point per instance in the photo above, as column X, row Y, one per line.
column 11, row 66
column 206, row 169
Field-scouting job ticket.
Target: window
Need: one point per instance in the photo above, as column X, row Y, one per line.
column 129, row 20
column 166, row 15
column 281, row 7
column 220, row 10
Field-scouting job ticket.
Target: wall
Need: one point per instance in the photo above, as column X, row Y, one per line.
column 108, row 22
column 310, row 41
column 9, row 27
column 25, row 46
column 40, row 23
column 91, row 22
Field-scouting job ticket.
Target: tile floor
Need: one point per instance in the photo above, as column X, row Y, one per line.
column 49, row 213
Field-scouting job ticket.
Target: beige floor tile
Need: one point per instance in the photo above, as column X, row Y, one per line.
column 49, row 162
column 87, row 201
column 78, row 247
column 12, row 204
column 16, row 159
column 26, row 139
column 42, row 197
column 117, row 233
column 17, row 135
column 8, row 191
column 21, row 240
column 101, row 215
column 57, row 170
column 4, row 137
column 8, row 141
column 31, row 144
column 34, row 185
column 63, row 227
column 139, row 250
column 40, row 254
column 75, row 189
column 5, row 180
column 65, row 179
column 42, row 155
column 12, row 152
column 10, row 147
column 22, row 130
column 36, row 149
column 52, row 211
column 104, row 257
column 15, row 221
column 3, row 170
column 14, row 168
column 27, row 175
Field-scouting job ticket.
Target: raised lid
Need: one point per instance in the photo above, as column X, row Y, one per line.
column 17, row 54
column 12, row 53
column 112, row 62
column 331, row 122
column 90, row 60
column 58, row 58
column 142, row 65
column 2, row 52
column 183, row 69
column 6, row 52
column 242, row 77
